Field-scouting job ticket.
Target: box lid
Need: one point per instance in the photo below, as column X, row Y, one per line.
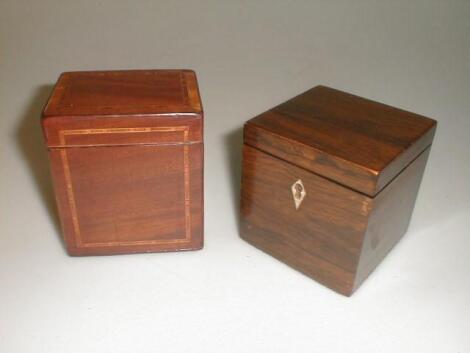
column 358, row 143
column 91, row 108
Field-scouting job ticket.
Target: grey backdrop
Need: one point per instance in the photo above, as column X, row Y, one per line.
column 230, row 297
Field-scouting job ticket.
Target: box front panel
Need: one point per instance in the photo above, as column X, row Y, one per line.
column 123, row 199
column 316, row 227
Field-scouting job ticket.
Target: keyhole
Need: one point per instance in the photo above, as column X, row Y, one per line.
column 298, row 191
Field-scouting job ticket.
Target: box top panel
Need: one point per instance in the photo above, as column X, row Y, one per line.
column 108, row 108
column 140, row 92
column 353, row 141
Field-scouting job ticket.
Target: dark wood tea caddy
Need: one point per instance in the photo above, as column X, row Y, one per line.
column 329, row 182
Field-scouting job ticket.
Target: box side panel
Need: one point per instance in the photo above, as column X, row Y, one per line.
column 404, row 159
column 195, row 158
column 321, row 238
column 389, row 220
column 129, row 198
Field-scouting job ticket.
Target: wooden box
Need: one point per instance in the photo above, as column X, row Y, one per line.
column 126, row 153
column 329, row 182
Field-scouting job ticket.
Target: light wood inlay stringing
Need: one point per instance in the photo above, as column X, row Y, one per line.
column 70, row 192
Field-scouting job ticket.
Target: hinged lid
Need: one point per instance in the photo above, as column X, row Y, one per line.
column 103, row 108
column 356, row 142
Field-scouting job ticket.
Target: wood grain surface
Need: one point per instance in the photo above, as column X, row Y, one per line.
column 354, row 141
column 322, row 238
column 127, row 163
column 359, row 164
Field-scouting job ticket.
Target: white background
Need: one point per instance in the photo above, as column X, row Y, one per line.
column 231, row 297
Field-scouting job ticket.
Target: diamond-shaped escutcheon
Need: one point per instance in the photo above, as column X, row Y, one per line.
column 298, row 193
